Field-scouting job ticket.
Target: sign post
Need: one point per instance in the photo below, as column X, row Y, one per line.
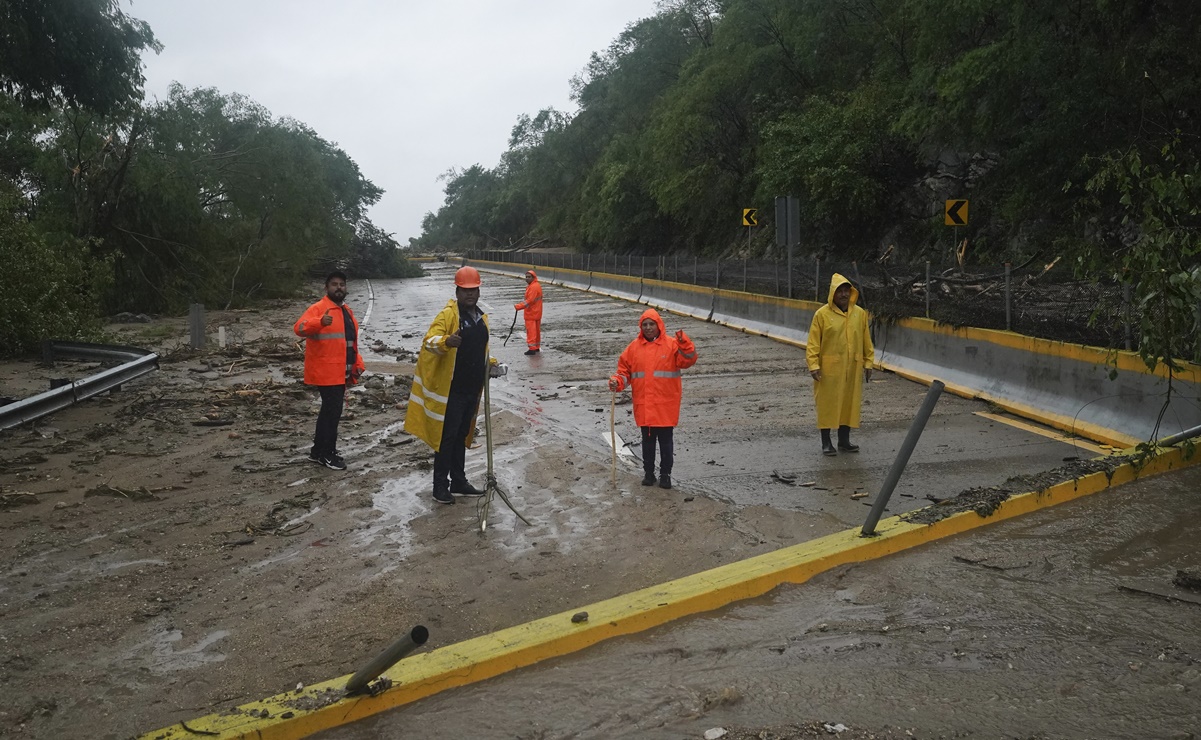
column 788, row 228
column 955, row 215
column 750, row 219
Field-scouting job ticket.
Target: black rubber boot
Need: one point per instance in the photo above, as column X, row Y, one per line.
column 649, row 478
column 844, row 440
column 827, row 445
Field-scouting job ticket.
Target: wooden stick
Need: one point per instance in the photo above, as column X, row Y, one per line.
column 613, row 433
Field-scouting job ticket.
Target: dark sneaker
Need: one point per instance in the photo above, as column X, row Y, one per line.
column 333, row 462
column 847, row 447
column 648, row 479
column 314, row 458
column 465, row 489
column 443, row 497
column 531, row 351
column 665, row 481
column 828, row 449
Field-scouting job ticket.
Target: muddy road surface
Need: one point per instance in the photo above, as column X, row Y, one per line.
column 168, row 552
column 1052, row 626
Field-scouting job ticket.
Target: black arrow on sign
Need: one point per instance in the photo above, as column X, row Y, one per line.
column 955, row 212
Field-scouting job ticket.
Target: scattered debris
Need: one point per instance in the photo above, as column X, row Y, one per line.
column 980, row 561
column 1154, row 589
column 17, row 498
column 785, row 478
column 1184, row 579
column 135, row 494
column 859, row 495
column 579, row 617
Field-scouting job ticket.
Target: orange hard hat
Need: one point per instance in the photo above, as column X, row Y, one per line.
column 467, row 277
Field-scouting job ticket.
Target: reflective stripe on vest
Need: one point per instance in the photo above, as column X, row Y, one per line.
column 667, row 373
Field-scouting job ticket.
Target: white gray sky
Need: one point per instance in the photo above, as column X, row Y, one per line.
column 407, row 89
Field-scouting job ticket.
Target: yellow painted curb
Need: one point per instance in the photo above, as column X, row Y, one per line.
column 314, row 708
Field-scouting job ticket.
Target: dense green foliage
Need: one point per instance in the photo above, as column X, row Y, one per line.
column 83, row 52
column 107, row 204
column 873, row 112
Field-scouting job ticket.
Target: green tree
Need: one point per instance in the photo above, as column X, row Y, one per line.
column 52, row 288
column 83, row 53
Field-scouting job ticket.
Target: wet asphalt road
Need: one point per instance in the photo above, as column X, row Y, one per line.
column 1017, row 629
column 747, row 411
column 1025, row 629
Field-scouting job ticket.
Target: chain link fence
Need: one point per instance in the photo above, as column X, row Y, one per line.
column 1034, row 299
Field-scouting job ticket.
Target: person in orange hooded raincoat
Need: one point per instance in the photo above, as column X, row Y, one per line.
column 532, row 305
column 651, row 366
column 840, row 356
column 331, row 362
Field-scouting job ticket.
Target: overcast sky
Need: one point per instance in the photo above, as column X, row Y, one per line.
column 407, row 89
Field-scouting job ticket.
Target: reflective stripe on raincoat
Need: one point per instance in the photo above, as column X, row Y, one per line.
column 426, row 413
column 652, row 370
column 840, row 345
column 325, row 346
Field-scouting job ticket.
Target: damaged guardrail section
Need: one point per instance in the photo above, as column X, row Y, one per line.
column 1106, row 395
column 135, row 362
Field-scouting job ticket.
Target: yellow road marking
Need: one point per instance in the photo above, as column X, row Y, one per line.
column 1048, row 433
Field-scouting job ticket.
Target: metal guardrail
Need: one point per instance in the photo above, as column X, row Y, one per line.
column 136, row 362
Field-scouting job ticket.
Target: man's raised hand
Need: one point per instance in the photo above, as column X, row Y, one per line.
column 454, row 340
column 326, row 319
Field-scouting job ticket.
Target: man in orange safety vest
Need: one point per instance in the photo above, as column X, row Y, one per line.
column 331, row 362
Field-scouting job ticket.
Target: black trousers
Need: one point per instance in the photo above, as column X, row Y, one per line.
column 451, row 456
column 663, row 435
column 325, row 441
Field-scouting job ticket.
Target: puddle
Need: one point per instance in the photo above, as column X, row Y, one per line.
column 118, row 566
column 168, row 653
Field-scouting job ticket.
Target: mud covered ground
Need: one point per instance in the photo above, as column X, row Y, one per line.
column 168, row 552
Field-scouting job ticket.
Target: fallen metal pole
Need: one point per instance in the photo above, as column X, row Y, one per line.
column 1179, row 437
column 898, row 465
column 385, row 660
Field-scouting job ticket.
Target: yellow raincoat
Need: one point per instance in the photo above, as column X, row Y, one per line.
column 431, row 380
column 840, row 345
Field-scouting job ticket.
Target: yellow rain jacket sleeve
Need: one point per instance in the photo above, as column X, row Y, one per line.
column 426, row 412
column 840, row 345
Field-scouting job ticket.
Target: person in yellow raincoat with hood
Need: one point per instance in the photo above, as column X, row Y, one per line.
column 839, row 352
column 451, row 371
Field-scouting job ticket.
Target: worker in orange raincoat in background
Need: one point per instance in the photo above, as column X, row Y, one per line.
column 839, row 354
column 331, row 362
column 651, row 366
column 532, row 305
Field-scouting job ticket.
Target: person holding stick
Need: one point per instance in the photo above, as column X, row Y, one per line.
column 532, row 305
column 447, row 384
column 651, row 366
